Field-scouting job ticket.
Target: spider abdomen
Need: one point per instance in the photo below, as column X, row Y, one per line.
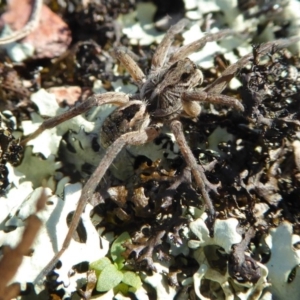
column 118, row 123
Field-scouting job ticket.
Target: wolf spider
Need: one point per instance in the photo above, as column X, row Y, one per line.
column 165, row 95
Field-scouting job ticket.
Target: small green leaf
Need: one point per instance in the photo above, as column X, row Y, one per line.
column 100, row 264
column 109, row 278
column 121, row 288
column 132, row 279
column 117, row 248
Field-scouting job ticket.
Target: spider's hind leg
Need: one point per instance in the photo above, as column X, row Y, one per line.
column 131, row 138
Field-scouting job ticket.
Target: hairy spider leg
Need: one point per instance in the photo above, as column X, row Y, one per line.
column 115, row 98
column 197, row 170
column 190, row 97
column 220, row 83
column 123, row 55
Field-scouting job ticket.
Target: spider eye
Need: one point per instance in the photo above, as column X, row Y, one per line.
column 185, row 76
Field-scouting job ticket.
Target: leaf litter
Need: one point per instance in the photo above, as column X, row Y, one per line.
column 253, row 251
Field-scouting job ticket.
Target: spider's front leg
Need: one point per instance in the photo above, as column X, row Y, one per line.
column 114, row 98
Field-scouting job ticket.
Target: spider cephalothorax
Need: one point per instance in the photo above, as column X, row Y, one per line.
column 166, row 94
